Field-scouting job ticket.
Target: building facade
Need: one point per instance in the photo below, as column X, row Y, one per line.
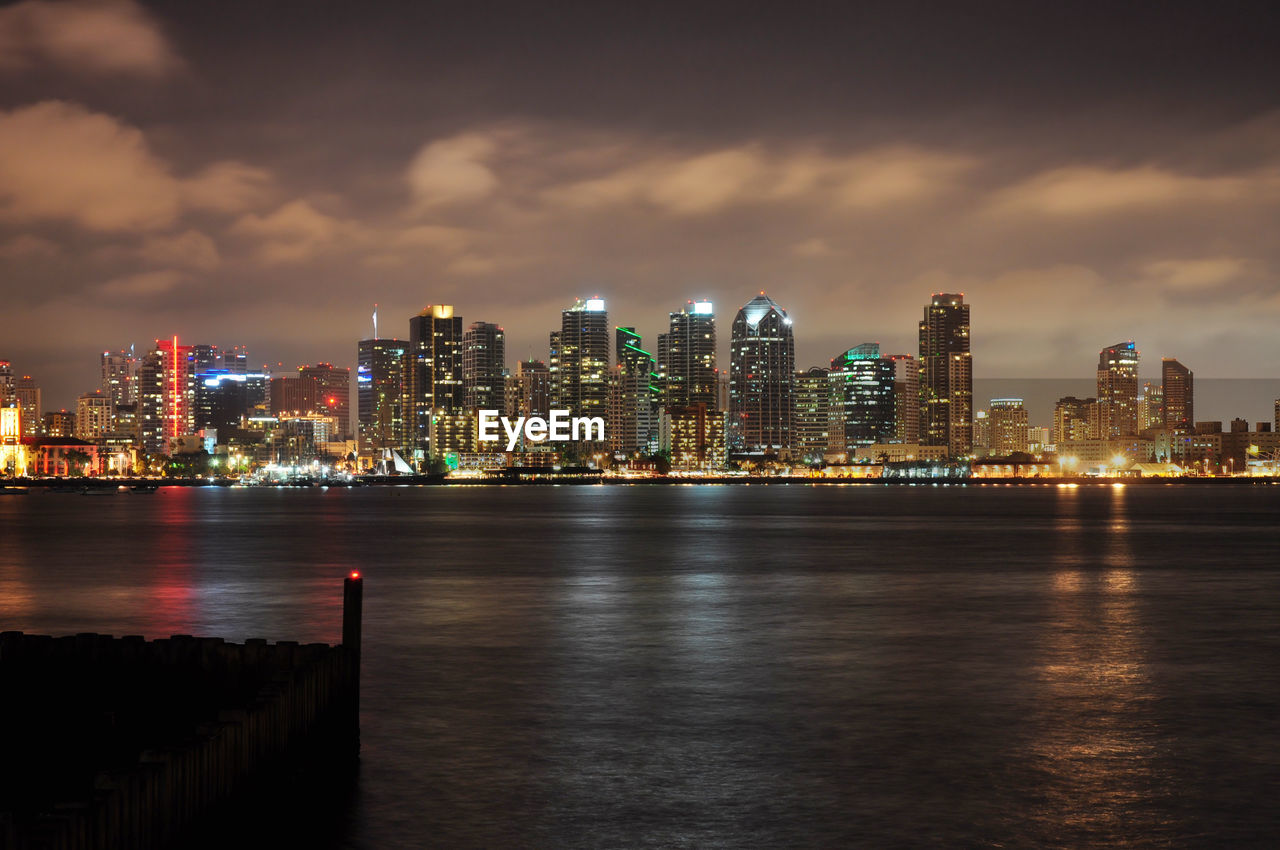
column 812, row 414
column 1008, row 420
column 380, row 369
column 434, row 370
column 484, row 367
column 1178, row 385
column 762, row 378
column 687, row 357
column 863, row 408
column 579, row 364
column 1118, row 390
column 946, row 375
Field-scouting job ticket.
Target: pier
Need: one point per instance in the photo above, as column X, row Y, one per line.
column 128, row 743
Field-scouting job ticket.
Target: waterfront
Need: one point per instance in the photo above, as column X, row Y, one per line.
column 734, row 665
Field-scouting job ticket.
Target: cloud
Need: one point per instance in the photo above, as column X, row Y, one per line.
column 295, row 232
column 698, row 184
column 192, row 250
column 1195, row 275
column 26, row 246
column 813, row 247
column 84, row 36
column 61, row 162
column 452, row 171
column 227, row 187
column 1084, row 191
column 143, row 283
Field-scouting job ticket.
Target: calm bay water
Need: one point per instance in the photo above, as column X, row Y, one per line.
column 736, row 666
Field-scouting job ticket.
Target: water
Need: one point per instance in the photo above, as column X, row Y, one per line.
column 735, row 666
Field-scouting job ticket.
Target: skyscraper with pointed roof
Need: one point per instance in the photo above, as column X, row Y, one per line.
column 762, row 377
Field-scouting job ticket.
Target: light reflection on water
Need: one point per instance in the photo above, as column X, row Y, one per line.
column 734, row 666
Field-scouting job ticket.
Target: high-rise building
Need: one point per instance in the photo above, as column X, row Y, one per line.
column 580, row 360
column 981, row 432
column 119, row 374
column 484, row 366
column 221, row 402
column 813, row 414
column 1277, row 416
column 533, row 393
column 633, row 415
column 687, row 357
column 1151, row 407
column 762, row 377
column 178, row 376
column 6, row 383
column 1075, row 419
column 234, row 360
column 93, row 416
column 906, row 398
column 380, row 368
column 295, row 395
column 1177, row 382
column 946, row 375
column 693, row 436
column 1118, row 390
column 434, row 370
column 1008, row 417
column 333, row 394
column 862, row 404
column 150, row 393
column 26, row 395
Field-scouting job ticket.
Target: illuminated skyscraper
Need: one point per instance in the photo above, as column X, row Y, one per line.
column 6, row 383
column 26, row 395
column 119, row 374
column 150, row 405
column 93, row 416
column 633, row 418
column 580, row 360
column 687, row 357
column 333, row 394
column 862, row 402
column 533, row 389
column 484, row 366
column 946, row 375
column 1118, row 390
column 178, row 387
column 380, row 369
column 1179, row 394
column 1151, row 407
column 434, row 371
column 762, row 377
column 906, row 398
column 1074, row 420
column 813, row 414
column 1008, row 418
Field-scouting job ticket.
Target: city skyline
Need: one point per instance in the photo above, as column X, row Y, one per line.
column 844, row 159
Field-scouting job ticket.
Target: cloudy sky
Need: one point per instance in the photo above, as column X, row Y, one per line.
column 262, row 173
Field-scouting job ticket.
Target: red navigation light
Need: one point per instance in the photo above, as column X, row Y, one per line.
column 355, row 574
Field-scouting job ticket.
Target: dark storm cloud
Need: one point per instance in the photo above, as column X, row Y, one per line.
column 262, row 173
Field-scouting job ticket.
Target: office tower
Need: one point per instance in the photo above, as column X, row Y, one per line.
column 221, row 402
column 150, row 405
column 484, row 366
column 1177, row 383
column 235, row 360
column 13, row 455
column 1008, row 418
column 633, row 418
column 946, row 375
column 533, row 398
column 333, row 395
column 119, row 370
column 59, row 423
column 93, row 416
column 380, row 393
column 177, row 364
column 1074, row 419
column 906, row 398
column 6, row 383
column 813, row 414
column 862, row 403
column 687, row 358
column 580, row 360
column 693, row 436
column 1118, row 390
column 981, row 432
column 433, row 370
column 1151, row 407
column 762, row 377
column 294, row 395
column 27, row 396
